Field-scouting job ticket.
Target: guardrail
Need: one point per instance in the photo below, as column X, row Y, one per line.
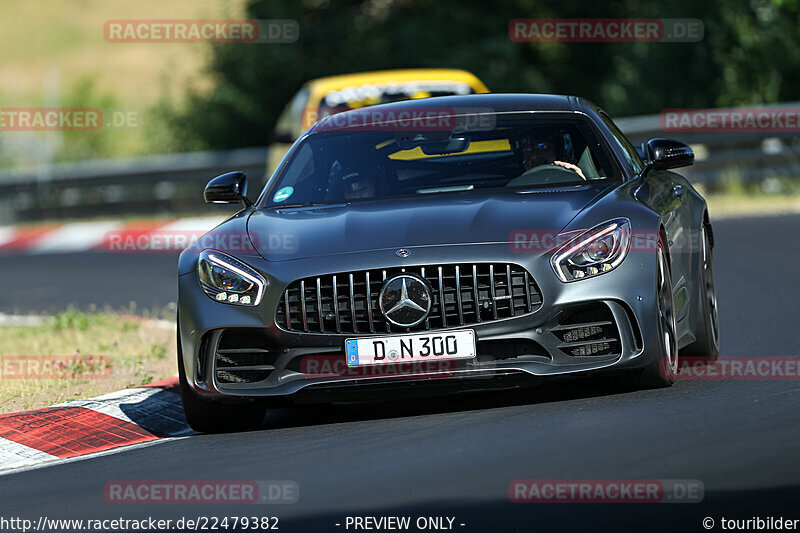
column 172, row 184
column 746, row 156
column 153, row 185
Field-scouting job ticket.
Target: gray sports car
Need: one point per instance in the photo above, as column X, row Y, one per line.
column 441, row 245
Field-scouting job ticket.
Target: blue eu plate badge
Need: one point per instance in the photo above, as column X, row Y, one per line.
column 351, row 350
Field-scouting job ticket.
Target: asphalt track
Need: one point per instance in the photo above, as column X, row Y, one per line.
column 456, row 456
column 50, row 282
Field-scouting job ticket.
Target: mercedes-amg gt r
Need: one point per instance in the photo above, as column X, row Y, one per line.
column 446, row 244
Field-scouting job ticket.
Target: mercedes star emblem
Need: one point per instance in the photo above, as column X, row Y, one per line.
column 405, row 300
column 402, row 252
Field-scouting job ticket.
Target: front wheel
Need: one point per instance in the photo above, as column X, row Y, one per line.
column 209, row 416
column 662, row 371
column 706, row 347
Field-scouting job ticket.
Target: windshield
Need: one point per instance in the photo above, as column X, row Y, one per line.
column 344, row 163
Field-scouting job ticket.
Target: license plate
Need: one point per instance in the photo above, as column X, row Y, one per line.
column 410, row 348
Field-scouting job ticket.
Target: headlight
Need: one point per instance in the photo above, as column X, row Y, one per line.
column 228, row 280
column 594, row 251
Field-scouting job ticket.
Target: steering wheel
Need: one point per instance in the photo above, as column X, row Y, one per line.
column 544, row 174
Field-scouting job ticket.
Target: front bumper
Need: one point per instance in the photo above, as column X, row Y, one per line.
column 273, row 362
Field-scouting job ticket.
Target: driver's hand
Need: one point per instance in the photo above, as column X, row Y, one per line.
column 570, row 166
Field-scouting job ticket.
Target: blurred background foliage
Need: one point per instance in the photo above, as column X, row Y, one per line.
column 749, row 55
column 220, row 96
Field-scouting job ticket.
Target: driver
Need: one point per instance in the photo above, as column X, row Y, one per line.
column 355, row 183
column 542, row 150
column 358, row 185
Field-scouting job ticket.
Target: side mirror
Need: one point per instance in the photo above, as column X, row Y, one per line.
column 227, row 188
column 664, row 154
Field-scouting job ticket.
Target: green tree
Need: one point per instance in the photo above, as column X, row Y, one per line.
column 748, row 56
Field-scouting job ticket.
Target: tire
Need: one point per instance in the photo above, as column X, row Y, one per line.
column 661, row 372
column 706, row 347
column 208, row 416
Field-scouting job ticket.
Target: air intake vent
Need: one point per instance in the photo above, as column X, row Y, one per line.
column 588, row 331
column 243, row 356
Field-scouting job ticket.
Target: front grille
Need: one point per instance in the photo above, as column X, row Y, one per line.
column 588, row 331
column 243, row 356
column 463, row 294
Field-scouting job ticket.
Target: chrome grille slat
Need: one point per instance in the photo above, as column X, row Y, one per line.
column 510, row 289
column 383, row 280
column 492, row 292
column 288, row 312
column 319, row 306
column 442, row 303
column 336, row 306
column 527, row 292
column 457, row 302
column 458, row 296
column 369, row 303
column 353, row 304
column 303, row 304
column 477, row 295
column 427, row 320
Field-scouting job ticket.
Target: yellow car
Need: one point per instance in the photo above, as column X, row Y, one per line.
column 322, row 97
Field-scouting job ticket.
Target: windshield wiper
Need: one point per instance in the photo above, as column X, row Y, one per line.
column 293, row 206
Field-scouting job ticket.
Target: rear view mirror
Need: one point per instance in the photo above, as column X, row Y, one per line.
column 448, row 146
column 434, row 143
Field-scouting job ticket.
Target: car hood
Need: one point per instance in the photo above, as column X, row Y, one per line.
column 295, row 233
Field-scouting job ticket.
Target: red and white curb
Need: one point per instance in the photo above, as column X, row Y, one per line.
column 85, row 236
column 79, row 428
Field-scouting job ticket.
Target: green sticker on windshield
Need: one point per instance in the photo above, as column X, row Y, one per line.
column 283, row 194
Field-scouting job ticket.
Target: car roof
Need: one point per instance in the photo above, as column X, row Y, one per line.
column 479, row 103
column 334, row 83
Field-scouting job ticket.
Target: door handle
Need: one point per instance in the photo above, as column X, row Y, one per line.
column 677, row 191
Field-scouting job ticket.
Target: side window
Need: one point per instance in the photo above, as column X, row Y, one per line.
column 298, row 180
column 302, row 166
column 631, row 156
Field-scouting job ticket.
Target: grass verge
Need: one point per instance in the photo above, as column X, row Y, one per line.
column 736, row 205
column 74, row 355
